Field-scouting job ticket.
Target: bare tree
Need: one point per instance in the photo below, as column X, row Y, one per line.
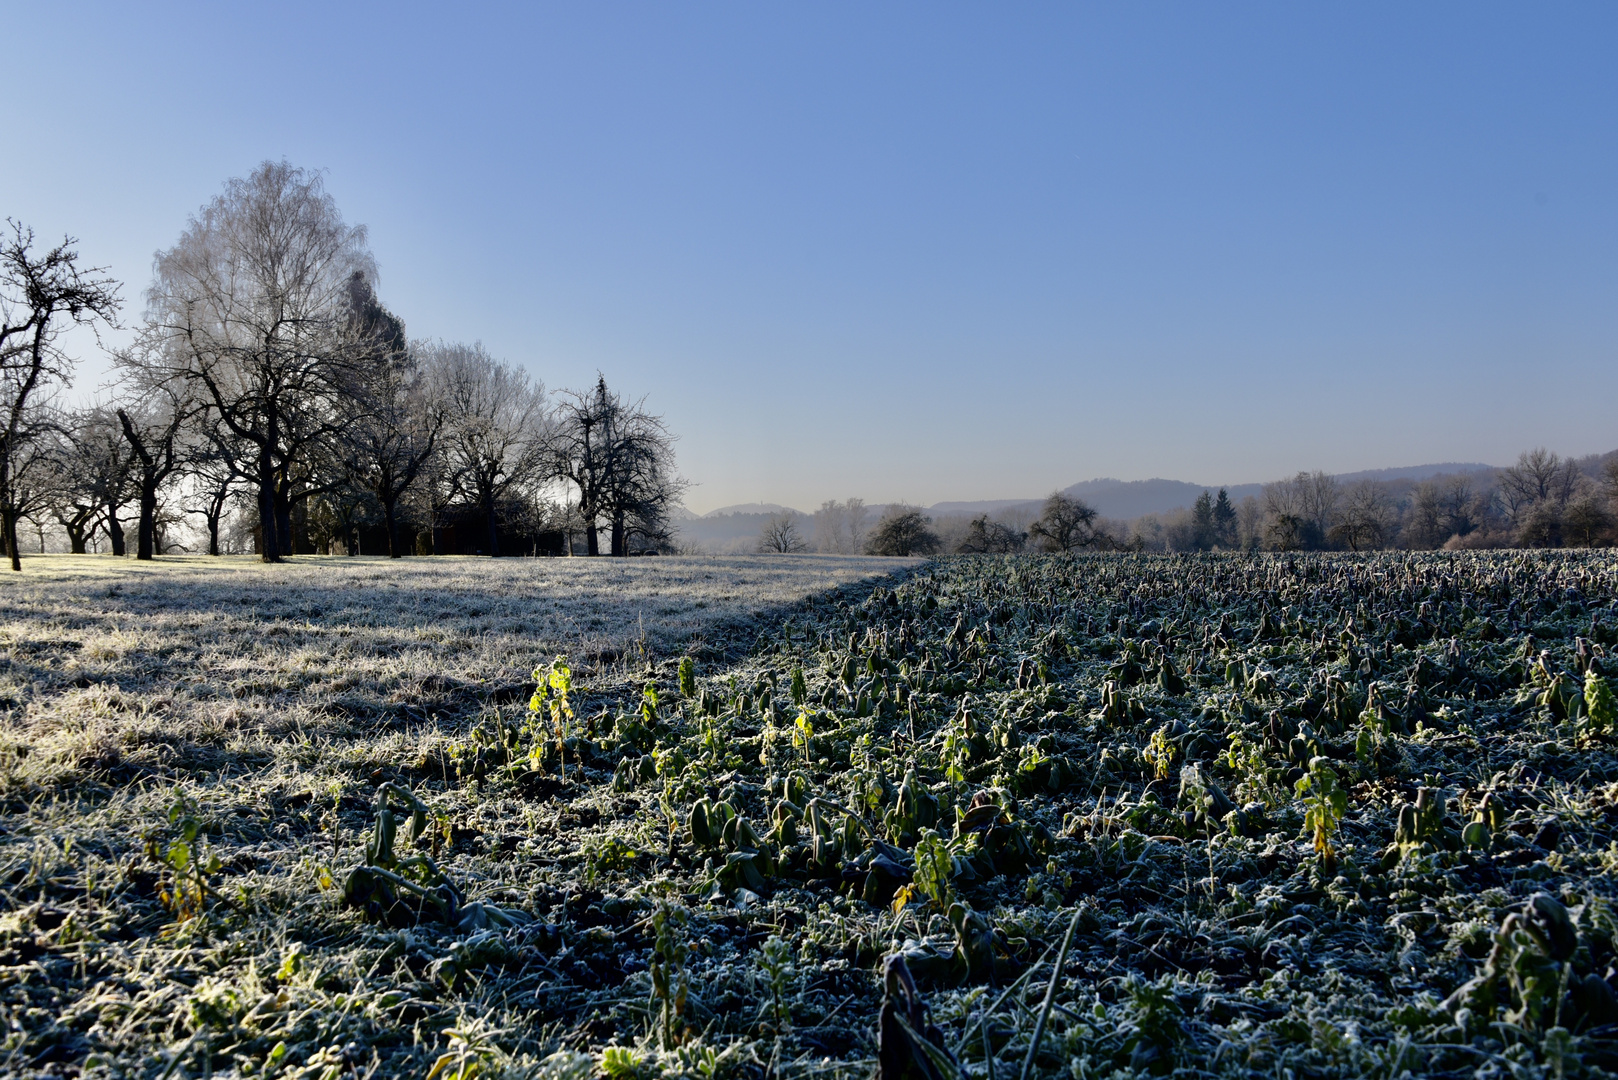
column 74, row 502
column 840, row 527
column 1445, row 507
column 857, row 517
column 902, row 530
column 1540, row 476
column 1065, row 524
column 495, row 426
column 985, row 536
column 620, row 458
column 152, row 423
column 780, row 535
column 391, row 442
column 1300, row 511
column 99, row 462
column 35, row 472
column 215, row 470
column 829, row 527
column 393, row 430
column 40, row 296
column 251, row 305
column 1367, row 518
column 1586, row 522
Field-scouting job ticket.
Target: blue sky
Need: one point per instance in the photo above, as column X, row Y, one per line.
column 916, row 252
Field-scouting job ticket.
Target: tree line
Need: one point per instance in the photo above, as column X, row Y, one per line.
column 1544, row 500
column 1064, row 524
column 271, row 397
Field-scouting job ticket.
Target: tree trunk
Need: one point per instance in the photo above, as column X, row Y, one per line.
column 75, row 539
column 8, row 524
column 213, row 533
column 115, row 532
column 146, row 537
column 283, row 523
column 269, row 545
column 393, row 543
column 592, row 543
column 620, row 545
column 494, row 535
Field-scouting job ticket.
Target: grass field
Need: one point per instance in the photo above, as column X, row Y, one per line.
column 194, row 662
column 1291, row 815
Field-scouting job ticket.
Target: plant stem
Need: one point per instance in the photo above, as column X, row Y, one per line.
column 1050, row 996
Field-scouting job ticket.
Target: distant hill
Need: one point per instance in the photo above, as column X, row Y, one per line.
column 751, row 508
column 1131, row 498
column 1126, row 499
column 735, row 528
column 1417, row 472
column 990, row 506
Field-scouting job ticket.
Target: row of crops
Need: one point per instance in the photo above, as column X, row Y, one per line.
column 1030, row 815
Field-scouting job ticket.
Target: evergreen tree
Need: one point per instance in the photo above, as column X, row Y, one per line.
column 1224, row 521
column 1202, row 522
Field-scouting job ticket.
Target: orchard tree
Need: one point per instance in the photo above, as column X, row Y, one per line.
column 1065, row 524
column 214, row 467
column 902, row 530
column 251, row 305
column 495, row 426
column 780, row 536
column 152, row 430
column 620, row 458
column 395, row 420
column 986, row 536
column 41, row 295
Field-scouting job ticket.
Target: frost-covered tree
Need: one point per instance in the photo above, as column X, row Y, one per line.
column 251, row 305
column 1065, row 524
column 780, row 536
column 495, row 426
column 620, row 459
column 42, row 294
column 902, row 530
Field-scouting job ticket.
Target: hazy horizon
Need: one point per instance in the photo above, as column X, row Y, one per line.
column 914, row 253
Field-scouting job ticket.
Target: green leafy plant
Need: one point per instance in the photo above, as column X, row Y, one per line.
column 379, row 886
column 670, row 984
column 554, row 686
column 1160, row 752
column 1600, row 704
column 1325, row 806
column 688, row 678
column 803, row 730
column 608, row 856
column 187, row 858
column 472, row 1052
column 622, row 1062
column 775, row 958
column 934, row 869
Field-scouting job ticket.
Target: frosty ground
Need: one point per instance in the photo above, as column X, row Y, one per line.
column 1308, row 815
column 190, row 661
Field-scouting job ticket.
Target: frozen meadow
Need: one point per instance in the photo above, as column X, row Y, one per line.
column 196, row 660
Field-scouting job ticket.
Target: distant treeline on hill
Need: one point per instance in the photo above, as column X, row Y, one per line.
column 1544, row 500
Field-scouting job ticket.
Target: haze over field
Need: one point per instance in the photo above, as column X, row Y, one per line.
column 918, row 254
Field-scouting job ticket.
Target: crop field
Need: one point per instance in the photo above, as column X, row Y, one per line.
column 1021, row 816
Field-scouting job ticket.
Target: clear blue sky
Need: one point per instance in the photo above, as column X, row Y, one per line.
column 915, row 252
